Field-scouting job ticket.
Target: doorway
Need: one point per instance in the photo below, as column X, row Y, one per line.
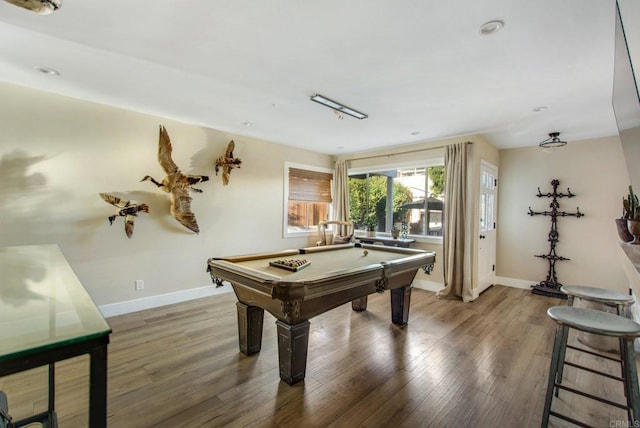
column 488, row 225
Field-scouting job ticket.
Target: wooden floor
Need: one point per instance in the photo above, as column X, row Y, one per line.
column 480, row 364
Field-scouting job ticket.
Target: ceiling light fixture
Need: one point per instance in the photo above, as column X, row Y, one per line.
column 491, row 27
column 42, row 7
column 553, row 141
column 539, row 109
column 340, row 108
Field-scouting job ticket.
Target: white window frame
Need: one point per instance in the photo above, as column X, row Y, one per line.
column 425, row 162
column 285, row 210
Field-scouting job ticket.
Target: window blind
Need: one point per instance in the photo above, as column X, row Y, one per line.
column 310, row 186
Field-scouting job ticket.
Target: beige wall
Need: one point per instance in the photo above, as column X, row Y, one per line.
column 595, row 171
column 57, row 154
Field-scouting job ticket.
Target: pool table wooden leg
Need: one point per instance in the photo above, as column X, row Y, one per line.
column 400, row 302
column 359, row 304
column 249, row 328
column 293, row 341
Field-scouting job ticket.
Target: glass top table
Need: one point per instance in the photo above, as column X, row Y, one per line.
column 46, row 316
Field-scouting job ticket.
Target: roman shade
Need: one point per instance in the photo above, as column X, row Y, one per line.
column 309, row 186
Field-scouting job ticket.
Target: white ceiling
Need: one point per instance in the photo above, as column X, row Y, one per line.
column 411, row 65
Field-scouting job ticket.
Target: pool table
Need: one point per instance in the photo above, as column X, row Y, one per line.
column 319, row 279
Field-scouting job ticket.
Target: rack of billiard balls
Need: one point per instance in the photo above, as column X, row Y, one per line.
column 290, row 264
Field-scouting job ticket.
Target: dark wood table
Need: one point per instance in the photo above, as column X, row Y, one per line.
column 337, row 274
column 47, row 316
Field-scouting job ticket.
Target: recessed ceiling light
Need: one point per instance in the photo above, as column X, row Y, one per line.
column 415, row 132
column 491, row 27
column 247, row 123
column 539, row 109
column 47, row 70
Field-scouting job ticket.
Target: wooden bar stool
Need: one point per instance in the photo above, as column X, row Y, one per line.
column 601, row 323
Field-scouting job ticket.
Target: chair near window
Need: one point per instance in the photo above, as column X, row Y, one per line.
column 343, row 235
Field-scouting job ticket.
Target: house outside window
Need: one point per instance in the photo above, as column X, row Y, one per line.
column 307, row 198
column 412, row 196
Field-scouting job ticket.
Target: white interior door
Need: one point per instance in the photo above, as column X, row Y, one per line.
column 488, row 224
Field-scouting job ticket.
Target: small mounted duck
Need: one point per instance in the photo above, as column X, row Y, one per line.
column 227, row 163
column 177, row 184
column 126, row 209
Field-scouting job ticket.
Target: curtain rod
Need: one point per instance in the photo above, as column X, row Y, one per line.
column 401, row 153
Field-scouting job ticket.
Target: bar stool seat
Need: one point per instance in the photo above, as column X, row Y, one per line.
column 593, row 321
column 597, row 294
column 601, row 323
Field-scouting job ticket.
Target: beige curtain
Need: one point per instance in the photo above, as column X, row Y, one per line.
column 341, row 193
column 458, row 224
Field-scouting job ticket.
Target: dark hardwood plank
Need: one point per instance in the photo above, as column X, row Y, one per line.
column 480, row 364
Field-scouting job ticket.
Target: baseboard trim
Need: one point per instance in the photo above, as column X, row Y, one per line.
column 515, row 283
column 121, row 308
column 508, row 282
column 129, row 306
column 427, row 285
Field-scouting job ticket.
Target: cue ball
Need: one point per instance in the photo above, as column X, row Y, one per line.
column 365, row 252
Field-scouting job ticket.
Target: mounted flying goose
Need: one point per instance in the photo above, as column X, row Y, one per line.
column 176, row 184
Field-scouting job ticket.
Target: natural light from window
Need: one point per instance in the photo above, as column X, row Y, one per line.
column 407, row 198
column 307, row 198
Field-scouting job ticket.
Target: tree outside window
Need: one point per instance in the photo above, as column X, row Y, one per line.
column 417, row 196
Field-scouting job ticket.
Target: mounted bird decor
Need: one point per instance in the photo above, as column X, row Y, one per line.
column 177, row 184
column 125, row 209
column 42, row 7
column 227, row 163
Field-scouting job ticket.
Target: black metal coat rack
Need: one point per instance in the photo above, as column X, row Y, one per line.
column 551, row 286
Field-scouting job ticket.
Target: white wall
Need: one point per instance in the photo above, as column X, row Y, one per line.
column 595, row 171
column 57, row 154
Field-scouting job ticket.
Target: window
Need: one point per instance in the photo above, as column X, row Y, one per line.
column 307, row 198
column 406, row 198
column 487, row 201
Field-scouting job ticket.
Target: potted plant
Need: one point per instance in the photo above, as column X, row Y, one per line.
column 621, row 223
column 370, row 223
column 395, row 232
column 632, row 215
